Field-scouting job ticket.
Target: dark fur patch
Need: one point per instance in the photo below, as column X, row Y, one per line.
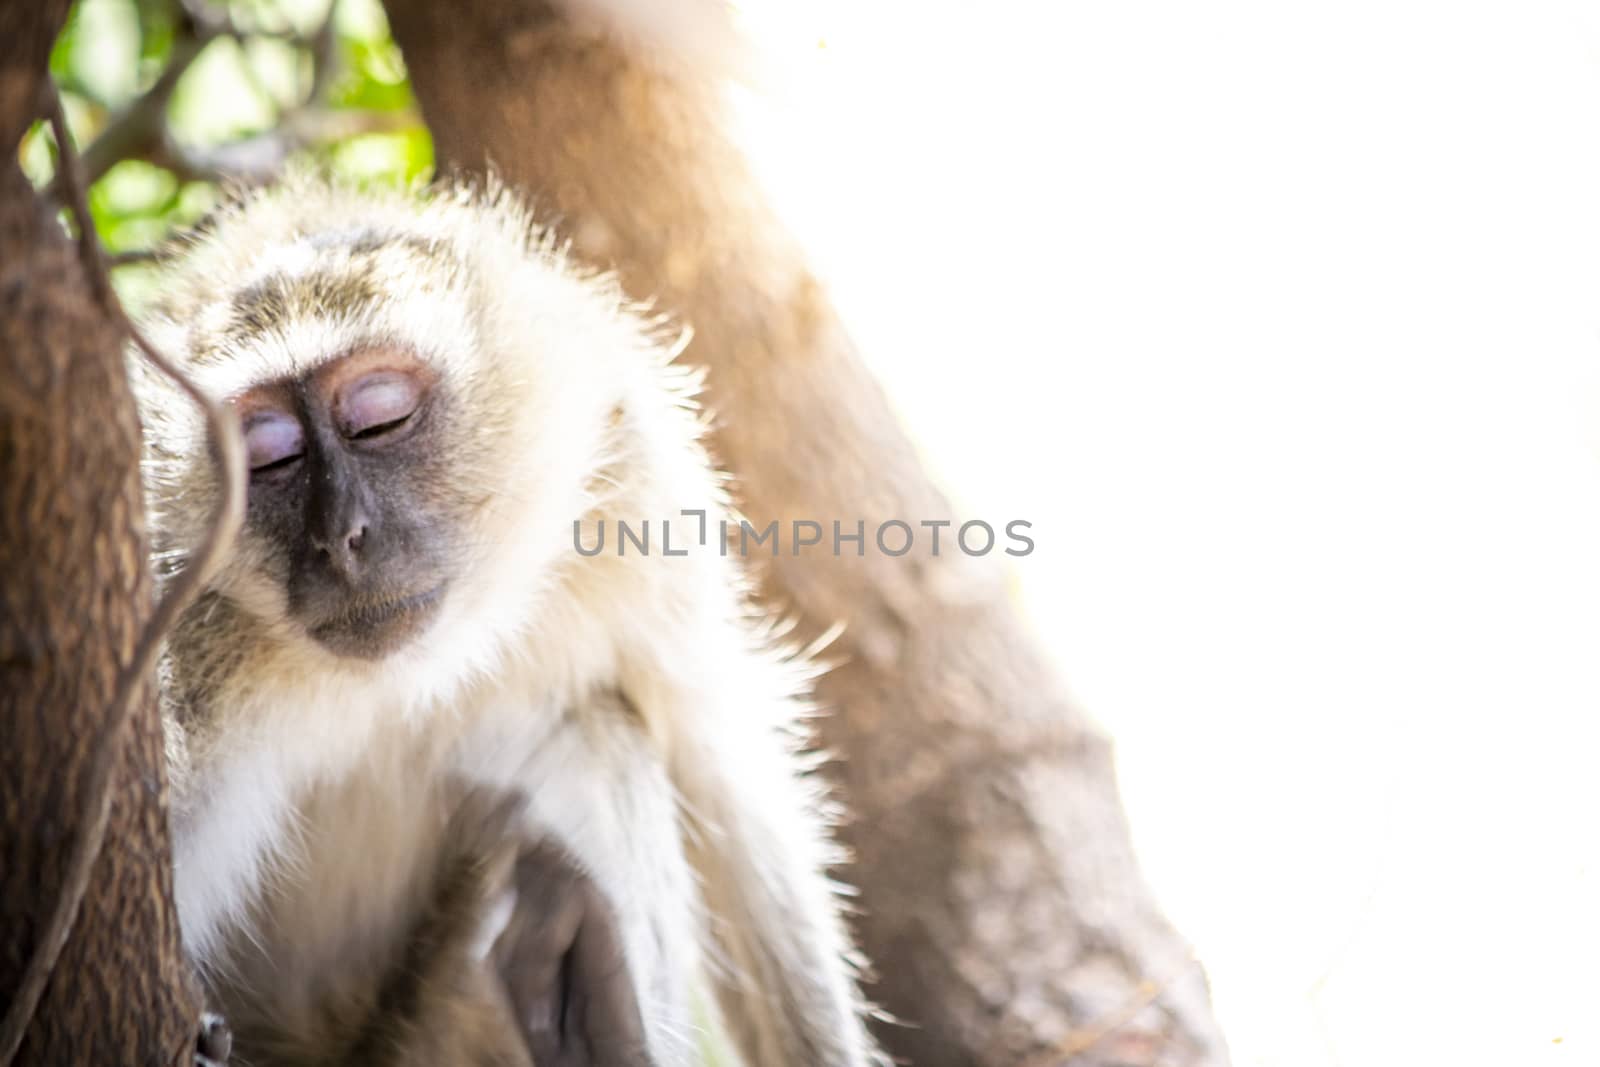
column 280, row 298
column 427, row 249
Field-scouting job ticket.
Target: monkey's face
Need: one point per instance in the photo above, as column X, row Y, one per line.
column 431, row 397
column 340, row 497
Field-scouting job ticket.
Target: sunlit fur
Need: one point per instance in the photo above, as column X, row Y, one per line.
column 576, row 410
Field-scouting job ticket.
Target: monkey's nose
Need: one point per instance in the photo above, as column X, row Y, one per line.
column 344, row 554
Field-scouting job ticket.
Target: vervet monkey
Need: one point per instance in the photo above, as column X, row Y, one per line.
column 436, row 404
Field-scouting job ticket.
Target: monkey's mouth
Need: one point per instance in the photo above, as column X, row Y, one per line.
column 373, row 627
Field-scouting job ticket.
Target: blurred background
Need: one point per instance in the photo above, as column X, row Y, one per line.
column 1279, row 323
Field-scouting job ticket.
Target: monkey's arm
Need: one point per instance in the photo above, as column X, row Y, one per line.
column 432, row 997
column 439, row 1002
column 597, row 785
column 554, row 992
column 504, row 963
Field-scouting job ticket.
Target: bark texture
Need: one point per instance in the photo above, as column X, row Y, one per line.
column 1000, row 899
column 74, row 594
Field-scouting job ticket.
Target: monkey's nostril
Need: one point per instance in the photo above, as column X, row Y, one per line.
column 355, row 539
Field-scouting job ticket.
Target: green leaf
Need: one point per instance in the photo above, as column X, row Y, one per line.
column 101, row 54
column 133, row 188
column 372, row 77
column 383, row 159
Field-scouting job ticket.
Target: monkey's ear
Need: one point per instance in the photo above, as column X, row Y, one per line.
column 565, row 973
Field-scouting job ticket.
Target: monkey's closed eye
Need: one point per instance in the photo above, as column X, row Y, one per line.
column 377, row 404
column 273, row 440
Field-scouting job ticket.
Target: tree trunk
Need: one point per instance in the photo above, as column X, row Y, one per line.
column 1000, row 900
column 75, row 591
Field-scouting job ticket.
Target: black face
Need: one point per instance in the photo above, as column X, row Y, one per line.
column 341, row 467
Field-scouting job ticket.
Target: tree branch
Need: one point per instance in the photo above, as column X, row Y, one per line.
column 141, row 131
column 137, row 255
column 139, row 128
column 260, row 159
column 220, row 22
column 1000, row 895
column 229, row 450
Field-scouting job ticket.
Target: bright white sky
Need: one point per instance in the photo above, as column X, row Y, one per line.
column 1280, row 322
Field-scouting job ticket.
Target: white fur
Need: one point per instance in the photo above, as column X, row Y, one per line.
column 530, row 632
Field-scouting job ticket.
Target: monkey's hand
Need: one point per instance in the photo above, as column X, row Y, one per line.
column 516, row 959
column 561, row 959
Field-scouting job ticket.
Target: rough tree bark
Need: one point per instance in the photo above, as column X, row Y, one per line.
column 1001, row 902
column 74, row 594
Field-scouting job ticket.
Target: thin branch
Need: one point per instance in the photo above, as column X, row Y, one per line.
column 228, row 448
column 324, row 57
column 140, row 131
column 221, row 22
column 140, row 127
column 135, row 255
column 259, row 159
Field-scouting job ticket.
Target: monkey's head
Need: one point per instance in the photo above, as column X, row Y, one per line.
column 429, row 395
